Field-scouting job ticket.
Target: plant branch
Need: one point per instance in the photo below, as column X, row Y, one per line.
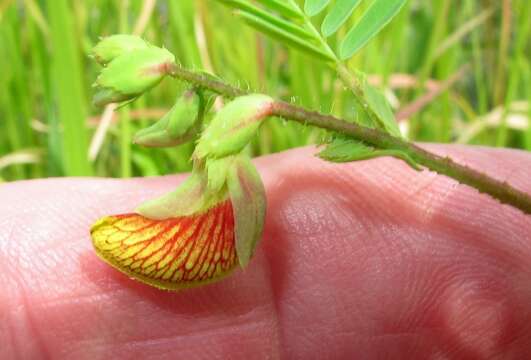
column 499, row 190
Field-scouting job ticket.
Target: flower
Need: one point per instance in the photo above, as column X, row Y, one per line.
column 212, row 222
column 195, row 235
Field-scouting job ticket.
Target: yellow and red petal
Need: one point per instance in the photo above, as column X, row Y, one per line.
column 173, row 253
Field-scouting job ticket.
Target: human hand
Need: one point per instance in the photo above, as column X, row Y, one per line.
column 368, row 260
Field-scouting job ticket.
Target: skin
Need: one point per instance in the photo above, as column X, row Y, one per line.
column 369, row 260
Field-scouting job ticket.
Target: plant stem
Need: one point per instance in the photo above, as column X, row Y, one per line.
column 499, row 190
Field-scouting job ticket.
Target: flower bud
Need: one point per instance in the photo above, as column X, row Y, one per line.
column 177, row 126
column 113, row 46
column 131, row 74
column 233, row 126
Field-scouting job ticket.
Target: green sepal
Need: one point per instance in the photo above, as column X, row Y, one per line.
column 110, row 47
column 247, row 195
column 185, row 200
column 233, row 127
column 341, row 150
column 131, row 74
column 191, row 197
column 177, row 126
column 217, row 171
column 106, row 96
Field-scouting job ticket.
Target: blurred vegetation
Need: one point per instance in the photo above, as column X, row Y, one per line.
column 454, row 71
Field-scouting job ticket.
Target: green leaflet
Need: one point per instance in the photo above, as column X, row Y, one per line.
column 283, row 36
column 379, row 104
column 297, row 31
column 275, row 21
column 342, row 149
column 337, row 16
column 375, row 18
column 314, row 7
column 282, row 7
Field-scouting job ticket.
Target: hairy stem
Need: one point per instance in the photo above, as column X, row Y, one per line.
column 499, row 190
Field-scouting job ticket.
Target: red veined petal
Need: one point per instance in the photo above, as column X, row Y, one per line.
column 173, row 253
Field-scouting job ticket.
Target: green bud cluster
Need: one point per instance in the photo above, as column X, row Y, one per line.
column 221, row 172
column 131, row 67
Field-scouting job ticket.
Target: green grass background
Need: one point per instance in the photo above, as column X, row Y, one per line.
column 47, row 121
